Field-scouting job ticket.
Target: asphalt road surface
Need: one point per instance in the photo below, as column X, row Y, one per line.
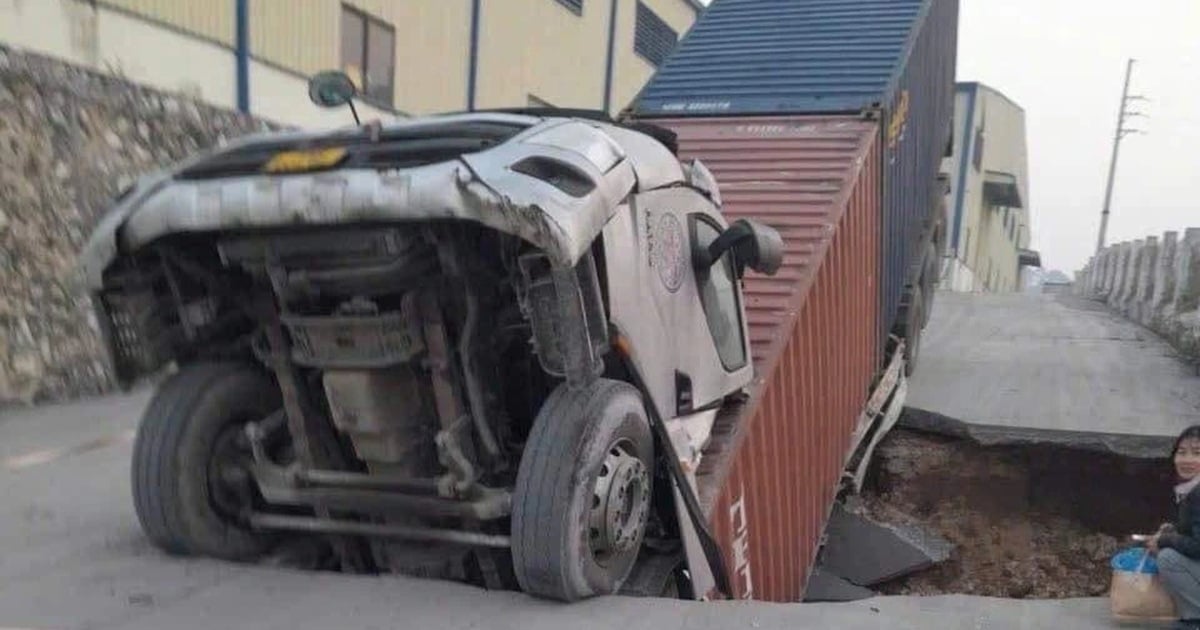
column 1029, row 368
column 72, row 557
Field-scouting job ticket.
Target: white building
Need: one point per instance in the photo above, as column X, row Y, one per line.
column 988, row 200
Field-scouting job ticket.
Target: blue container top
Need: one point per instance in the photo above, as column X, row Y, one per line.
column 786, row 57
column 1133, row 559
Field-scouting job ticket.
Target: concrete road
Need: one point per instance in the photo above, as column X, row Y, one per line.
column 1048, row 367
column 72, row 557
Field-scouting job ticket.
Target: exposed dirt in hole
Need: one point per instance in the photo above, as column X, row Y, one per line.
column 1028, row 521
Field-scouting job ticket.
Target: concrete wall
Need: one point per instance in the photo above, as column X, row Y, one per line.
column 1153, row 281
column 983, row 237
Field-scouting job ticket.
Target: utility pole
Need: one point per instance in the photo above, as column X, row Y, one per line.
column 1122, row 131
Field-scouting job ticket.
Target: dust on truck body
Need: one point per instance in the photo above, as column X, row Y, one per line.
column 544, row 350
column 476, row 346
column 828, row 120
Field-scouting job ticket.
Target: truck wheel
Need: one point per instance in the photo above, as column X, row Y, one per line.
column 929, row 282
column 583, row 489
column 190, row 476
column 911, row 321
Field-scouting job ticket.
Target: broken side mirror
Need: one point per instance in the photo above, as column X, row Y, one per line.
column 753, row 244
column 333, row 88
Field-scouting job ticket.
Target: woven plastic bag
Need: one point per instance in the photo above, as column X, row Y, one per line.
column 1137, row 593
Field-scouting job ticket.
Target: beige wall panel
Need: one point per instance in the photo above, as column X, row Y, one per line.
column 433, row 42
column 211, row 18
column 300, row 35
column 543, row 48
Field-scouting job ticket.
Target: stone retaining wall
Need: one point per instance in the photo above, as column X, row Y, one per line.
column 70, row 139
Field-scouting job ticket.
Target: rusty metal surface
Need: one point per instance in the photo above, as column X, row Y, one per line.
column 770, row 474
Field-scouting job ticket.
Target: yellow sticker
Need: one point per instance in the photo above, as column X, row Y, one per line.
column 304, row 160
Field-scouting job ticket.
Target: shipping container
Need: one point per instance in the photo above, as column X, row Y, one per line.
column 770, row 474
column 889, row 60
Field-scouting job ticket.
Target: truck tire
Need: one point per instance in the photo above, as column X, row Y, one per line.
column 911, row 319
column 929, row 281
column 583, row 490
column 187, row 435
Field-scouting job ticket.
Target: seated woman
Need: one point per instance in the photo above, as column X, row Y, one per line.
column 1178, row 545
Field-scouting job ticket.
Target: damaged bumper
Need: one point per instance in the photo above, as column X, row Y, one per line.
column 483, row 187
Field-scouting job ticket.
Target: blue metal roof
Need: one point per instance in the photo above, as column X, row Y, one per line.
column 786, row 56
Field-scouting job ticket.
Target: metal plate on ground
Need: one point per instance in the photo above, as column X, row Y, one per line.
column 866, row 552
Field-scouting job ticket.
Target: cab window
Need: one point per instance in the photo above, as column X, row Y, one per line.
column 718, row 290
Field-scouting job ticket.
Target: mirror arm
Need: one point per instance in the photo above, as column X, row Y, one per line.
column 354, row 111
column 726, row 241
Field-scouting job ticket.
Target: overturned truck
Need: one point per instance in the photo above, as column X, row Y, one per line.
column 522, row 348
column 458, row 346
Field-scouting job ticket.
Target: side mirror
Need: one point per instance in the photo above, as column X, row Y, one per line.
column 754, row 245
column 331, row 88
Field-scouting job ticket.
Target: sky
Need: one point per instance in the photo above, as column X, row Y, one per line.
column 1063, row 61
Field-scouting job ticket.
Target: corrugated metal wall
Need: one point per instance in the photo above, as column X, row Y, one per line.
column 916, row 130
column 784, row 57
column 214, row 20
column 769, row 476
column 631, row 70
column 300, row 36
column 890, row 58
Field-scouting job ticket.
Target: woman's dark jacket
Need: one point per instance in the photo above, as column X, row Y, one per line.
column 1186, row 537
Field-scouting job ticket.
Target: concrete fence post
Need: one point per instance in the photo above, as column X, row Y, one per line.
column 1143, row 295
column 1184, row 326
column 1120, row 251
column 1164, row 282
column 1129, row 254
column 1114, row 272
column 1135, row 274
column 1104, row 259
column 1083, row 278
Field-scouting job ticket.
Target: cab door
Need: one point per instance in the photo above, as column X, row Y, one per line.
column 686, row 325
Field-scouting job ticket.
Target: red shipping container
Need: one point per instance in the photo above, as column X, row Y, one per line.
column 770, row 474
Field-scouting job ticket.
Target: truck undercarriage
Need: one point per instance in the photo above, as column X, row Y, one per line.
column 408, row 385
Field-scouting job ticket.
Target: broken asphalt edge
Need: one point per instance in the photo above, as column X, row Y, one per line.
column 1124, row 444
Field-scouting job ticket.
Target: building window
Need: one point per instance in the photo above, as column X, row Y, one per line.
column 653, row 38
column 576, row 6
column 369, row 55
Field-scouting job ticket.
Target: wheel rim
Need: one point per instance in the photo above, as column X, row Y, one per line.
column 231, row 488
column 620, row 503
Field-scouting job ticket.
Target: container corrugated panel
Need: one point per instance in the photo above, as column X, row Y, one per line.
column 889, row 59
column 769, row 475
column 785, row 57
column 917, row 132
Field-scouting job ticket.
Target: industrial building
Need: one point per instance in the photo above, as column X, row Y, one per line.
column 987, row 204
column 408, row 56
